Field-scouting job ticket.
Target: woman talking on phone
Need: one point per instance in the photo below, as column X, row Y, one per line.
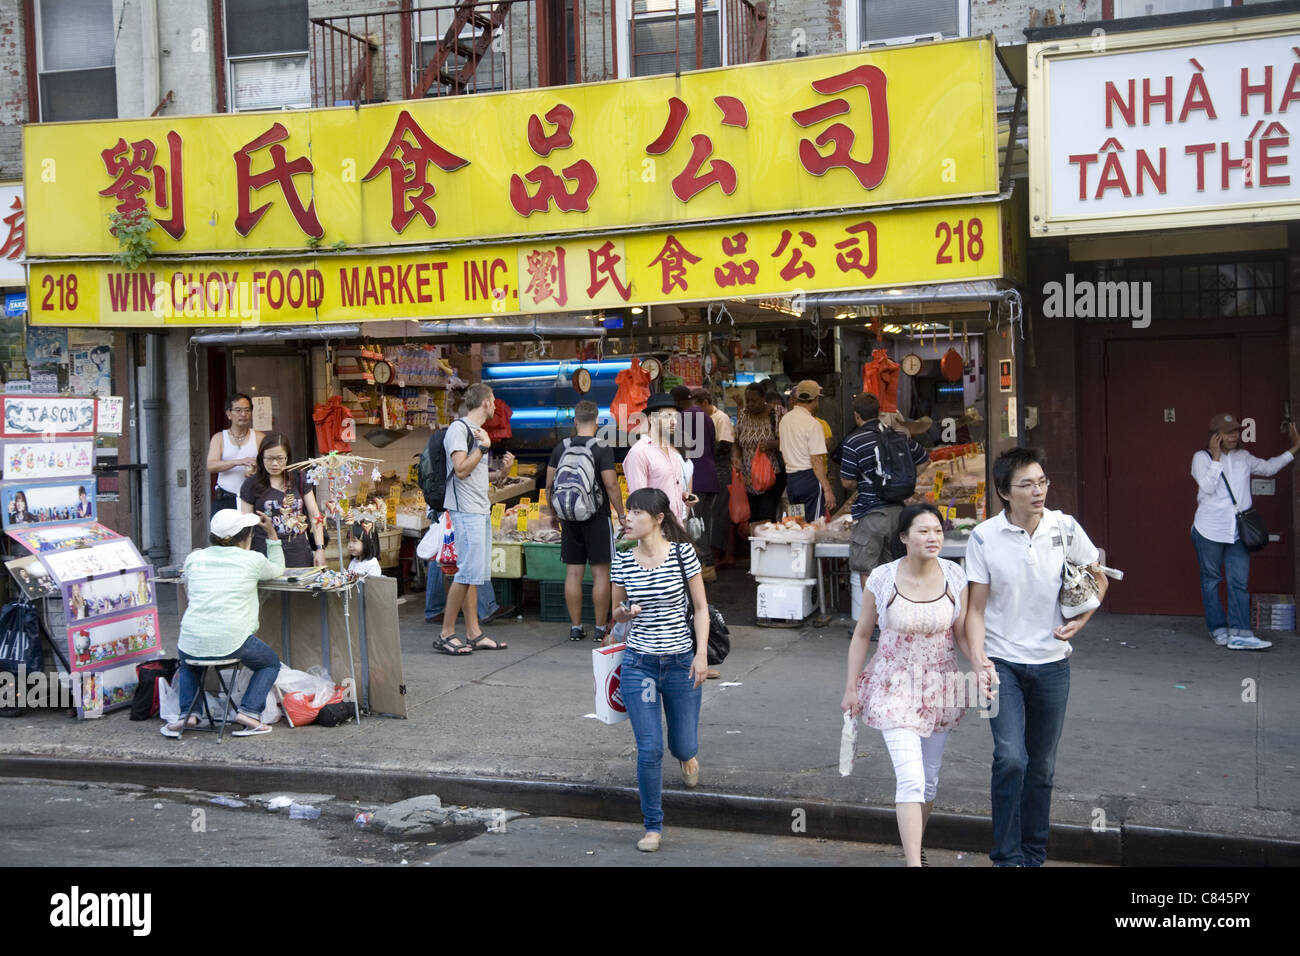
column 1222, row 471
column 664, row 662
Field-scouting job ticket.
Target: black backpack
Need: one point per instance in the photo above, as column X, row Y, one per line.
column 893, row 476
column 433, row 478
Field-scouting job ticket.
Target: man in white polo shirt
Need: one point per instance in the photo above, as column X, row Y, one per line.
column 803, row 448
column 1014, row 563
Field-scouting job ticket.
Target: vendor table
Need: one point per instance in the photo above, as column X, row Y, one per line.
column 954, row 549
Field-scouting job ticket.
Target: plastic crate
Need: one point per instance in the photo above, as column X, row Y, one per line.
column 509, row 592
column 542, row 563
column 554, row 608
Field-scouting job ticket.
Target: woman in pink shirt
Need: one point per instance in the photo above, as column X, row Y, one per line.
column 653, row 462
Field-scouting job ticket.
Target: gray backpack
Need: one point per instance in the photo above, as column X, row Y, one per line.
column 576, row 495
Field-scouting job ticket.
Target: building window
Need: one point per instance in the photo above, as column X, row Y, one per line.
column 490, row 74
column 663, row 36
column 266, row 54
column 74, row 58
column 889, row 22
column 1200, row 289
column 1152, row 8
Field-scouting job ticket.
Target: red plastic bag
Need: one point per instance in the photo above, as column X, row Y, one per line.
column 739, row 501
column 632, row 395
column 761, row 473
column 300, row 710
column 447, row 553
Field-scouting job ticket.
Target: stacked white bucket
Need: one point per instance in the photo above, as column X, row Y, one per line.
column 784, row 570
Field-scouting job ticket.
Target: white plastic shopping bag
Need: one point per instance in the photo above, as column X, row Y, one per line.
column 431, row 543
column 169, row 700
column 848, row 744
column 607, row 663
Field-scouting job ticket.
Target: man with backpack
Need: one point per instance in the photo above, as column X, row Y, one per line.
column 581, row 483
column 881, row 464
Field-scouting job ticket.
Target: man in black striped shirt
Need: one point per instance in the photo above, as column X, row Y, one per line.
column 873, row 517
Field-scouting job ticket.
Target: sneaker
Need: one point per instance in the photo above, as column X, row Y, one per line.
column 1220, row 636
column 577, row 634
column 1247, row 642
column 599, row 635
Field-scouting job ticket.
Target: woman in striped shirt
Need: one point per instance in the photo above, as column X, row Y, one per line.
column 664, row 660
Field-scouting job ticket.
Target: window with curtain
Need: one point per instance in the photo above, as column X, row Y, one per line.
column 76, row 76
column 663, row 36
column 266, row 53
column 883, row 20
column 1151, row 8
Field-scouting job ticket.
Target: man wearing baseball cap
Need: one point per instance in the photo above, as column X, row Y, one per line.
column 1222, row 472
column 803, row 447
column 223, row 613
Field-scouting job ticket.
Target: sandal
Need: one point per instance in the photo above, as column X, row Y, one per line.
column 167, row 731
column 478, row 645
column 251, row 731
column 452, row 645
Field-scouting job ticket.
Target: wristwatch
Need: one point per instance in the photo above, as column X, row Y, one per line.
column 484, row 448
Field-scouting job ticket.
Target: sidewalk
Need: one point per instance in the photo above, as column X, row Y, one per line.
column 1158, row 735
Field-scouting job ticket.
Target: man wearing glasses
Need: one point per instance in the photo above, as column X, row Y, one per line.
column 232, row 453
column 1014, row 563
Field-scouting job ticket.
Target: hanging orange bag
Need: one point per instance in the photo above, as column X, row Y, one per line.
column 633, row 392
column 739, row 503
column 761, row 473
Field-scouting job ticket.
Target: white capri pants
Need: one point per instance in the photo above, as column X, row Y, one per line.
column 916, row 763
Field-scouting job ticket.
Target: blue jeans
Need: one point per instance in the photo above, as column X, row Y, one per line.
column 253, row 654
column 644, row 681
column 435, row 596
column 1026, row 730
column 1214, row 558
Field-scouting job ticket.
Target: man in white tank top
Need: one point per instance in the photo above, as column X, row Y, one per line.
column 232, row 453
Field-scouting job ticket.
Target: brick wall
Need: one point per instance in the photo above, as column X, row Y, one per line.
column 13, row 89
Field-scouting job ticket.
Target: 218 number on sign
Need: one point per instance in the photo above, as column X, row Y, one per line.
column 65, row 286
column 970, row 240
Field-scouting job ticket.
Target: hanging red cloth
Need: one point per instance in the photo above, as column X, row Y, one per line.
column 633, row 392
column 498, row 426
column 880, row 378
column 329, row 417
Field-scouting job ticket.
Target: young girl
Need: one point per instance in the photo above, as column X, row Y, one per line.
column 912, row 690
column 664, row 660
column 363, row 545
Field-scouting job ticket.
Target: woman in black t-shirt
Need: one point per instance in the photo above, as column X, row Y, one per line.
column 284, row 498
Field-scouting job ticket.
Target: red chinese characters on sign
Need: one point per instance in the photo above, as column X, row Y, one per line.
column 736, row 273
column 546, row 276
column 797, row 266
column 672, row 260
column 851, row 257
column 604, row 269
column 135, row 169
column 280, row 174
column 15, row 239
column 407, row 164
column 551, row 186
column 869, row 174
column 690, row 182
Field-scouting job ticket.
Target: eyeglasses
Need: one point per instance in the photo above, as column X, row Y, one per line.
column 242, row 409
column 1026, row 485
column 276, row 459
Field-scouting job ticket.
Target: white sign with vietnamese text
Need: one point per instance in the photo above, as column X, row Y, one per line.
column 1175, row 133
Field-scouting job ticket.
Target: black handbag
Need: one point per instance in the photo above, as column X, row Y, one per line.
column 1250, row 526
column 719, row 634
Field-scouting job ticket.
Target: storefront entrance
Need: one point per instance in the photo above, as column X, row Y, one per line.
column 1160, row 394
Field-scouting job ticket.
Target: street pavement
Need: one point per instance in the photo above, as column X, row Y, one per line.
column 1164, row 729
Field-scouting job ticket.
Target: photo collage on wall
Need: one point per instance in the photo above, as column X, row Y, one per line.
column 47, row 506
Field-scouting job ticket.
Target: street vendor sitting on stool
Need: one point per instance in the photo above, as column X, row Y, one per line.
column 222, row 617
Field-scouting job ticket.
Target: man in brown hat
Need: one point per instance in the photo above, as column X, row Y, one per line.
column 803, row 448
column 1222, row 472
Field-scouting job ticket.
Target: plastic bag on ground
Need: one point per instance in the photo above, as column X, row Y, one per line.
column 848, row 744
column 169, row 700
column 270, row 712
column 301, row 708
column 318, row 689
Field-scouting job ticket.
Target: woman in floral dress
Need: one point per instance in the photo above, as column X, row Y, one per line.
column 912, row 691
column 756, row 427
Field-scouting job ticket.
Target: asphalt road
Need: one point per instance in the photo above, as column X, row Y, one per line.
column 49, row 823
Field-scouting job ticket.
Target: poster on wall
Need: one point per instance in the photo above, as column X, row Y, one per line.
column 114, row 640
column 81, row 563
column 47, row 502
column 106, row 595
column 46, row 416
column 47, row 348
column 90, row 369
column 47, row 459
column 45, row 540
column 33, row 578
column 110, row 415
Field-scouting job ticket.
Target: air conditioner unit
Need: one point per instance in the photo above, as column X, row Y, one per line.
column 900, row 41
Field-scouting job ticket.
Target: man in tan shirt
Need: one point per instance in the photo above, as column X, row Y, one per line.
column 803, row 446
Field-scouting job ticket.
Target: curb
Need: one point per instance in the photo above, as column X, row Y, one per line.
column 1128, row 845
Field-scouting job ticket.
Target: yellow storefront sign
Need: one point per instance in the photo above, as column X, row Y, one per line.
column 818, row 133
column 902, row 247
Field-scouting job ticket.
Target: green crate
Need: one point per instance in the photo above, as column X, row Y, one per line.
column 554, row 608
column 542, row 563
column 509, row 592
